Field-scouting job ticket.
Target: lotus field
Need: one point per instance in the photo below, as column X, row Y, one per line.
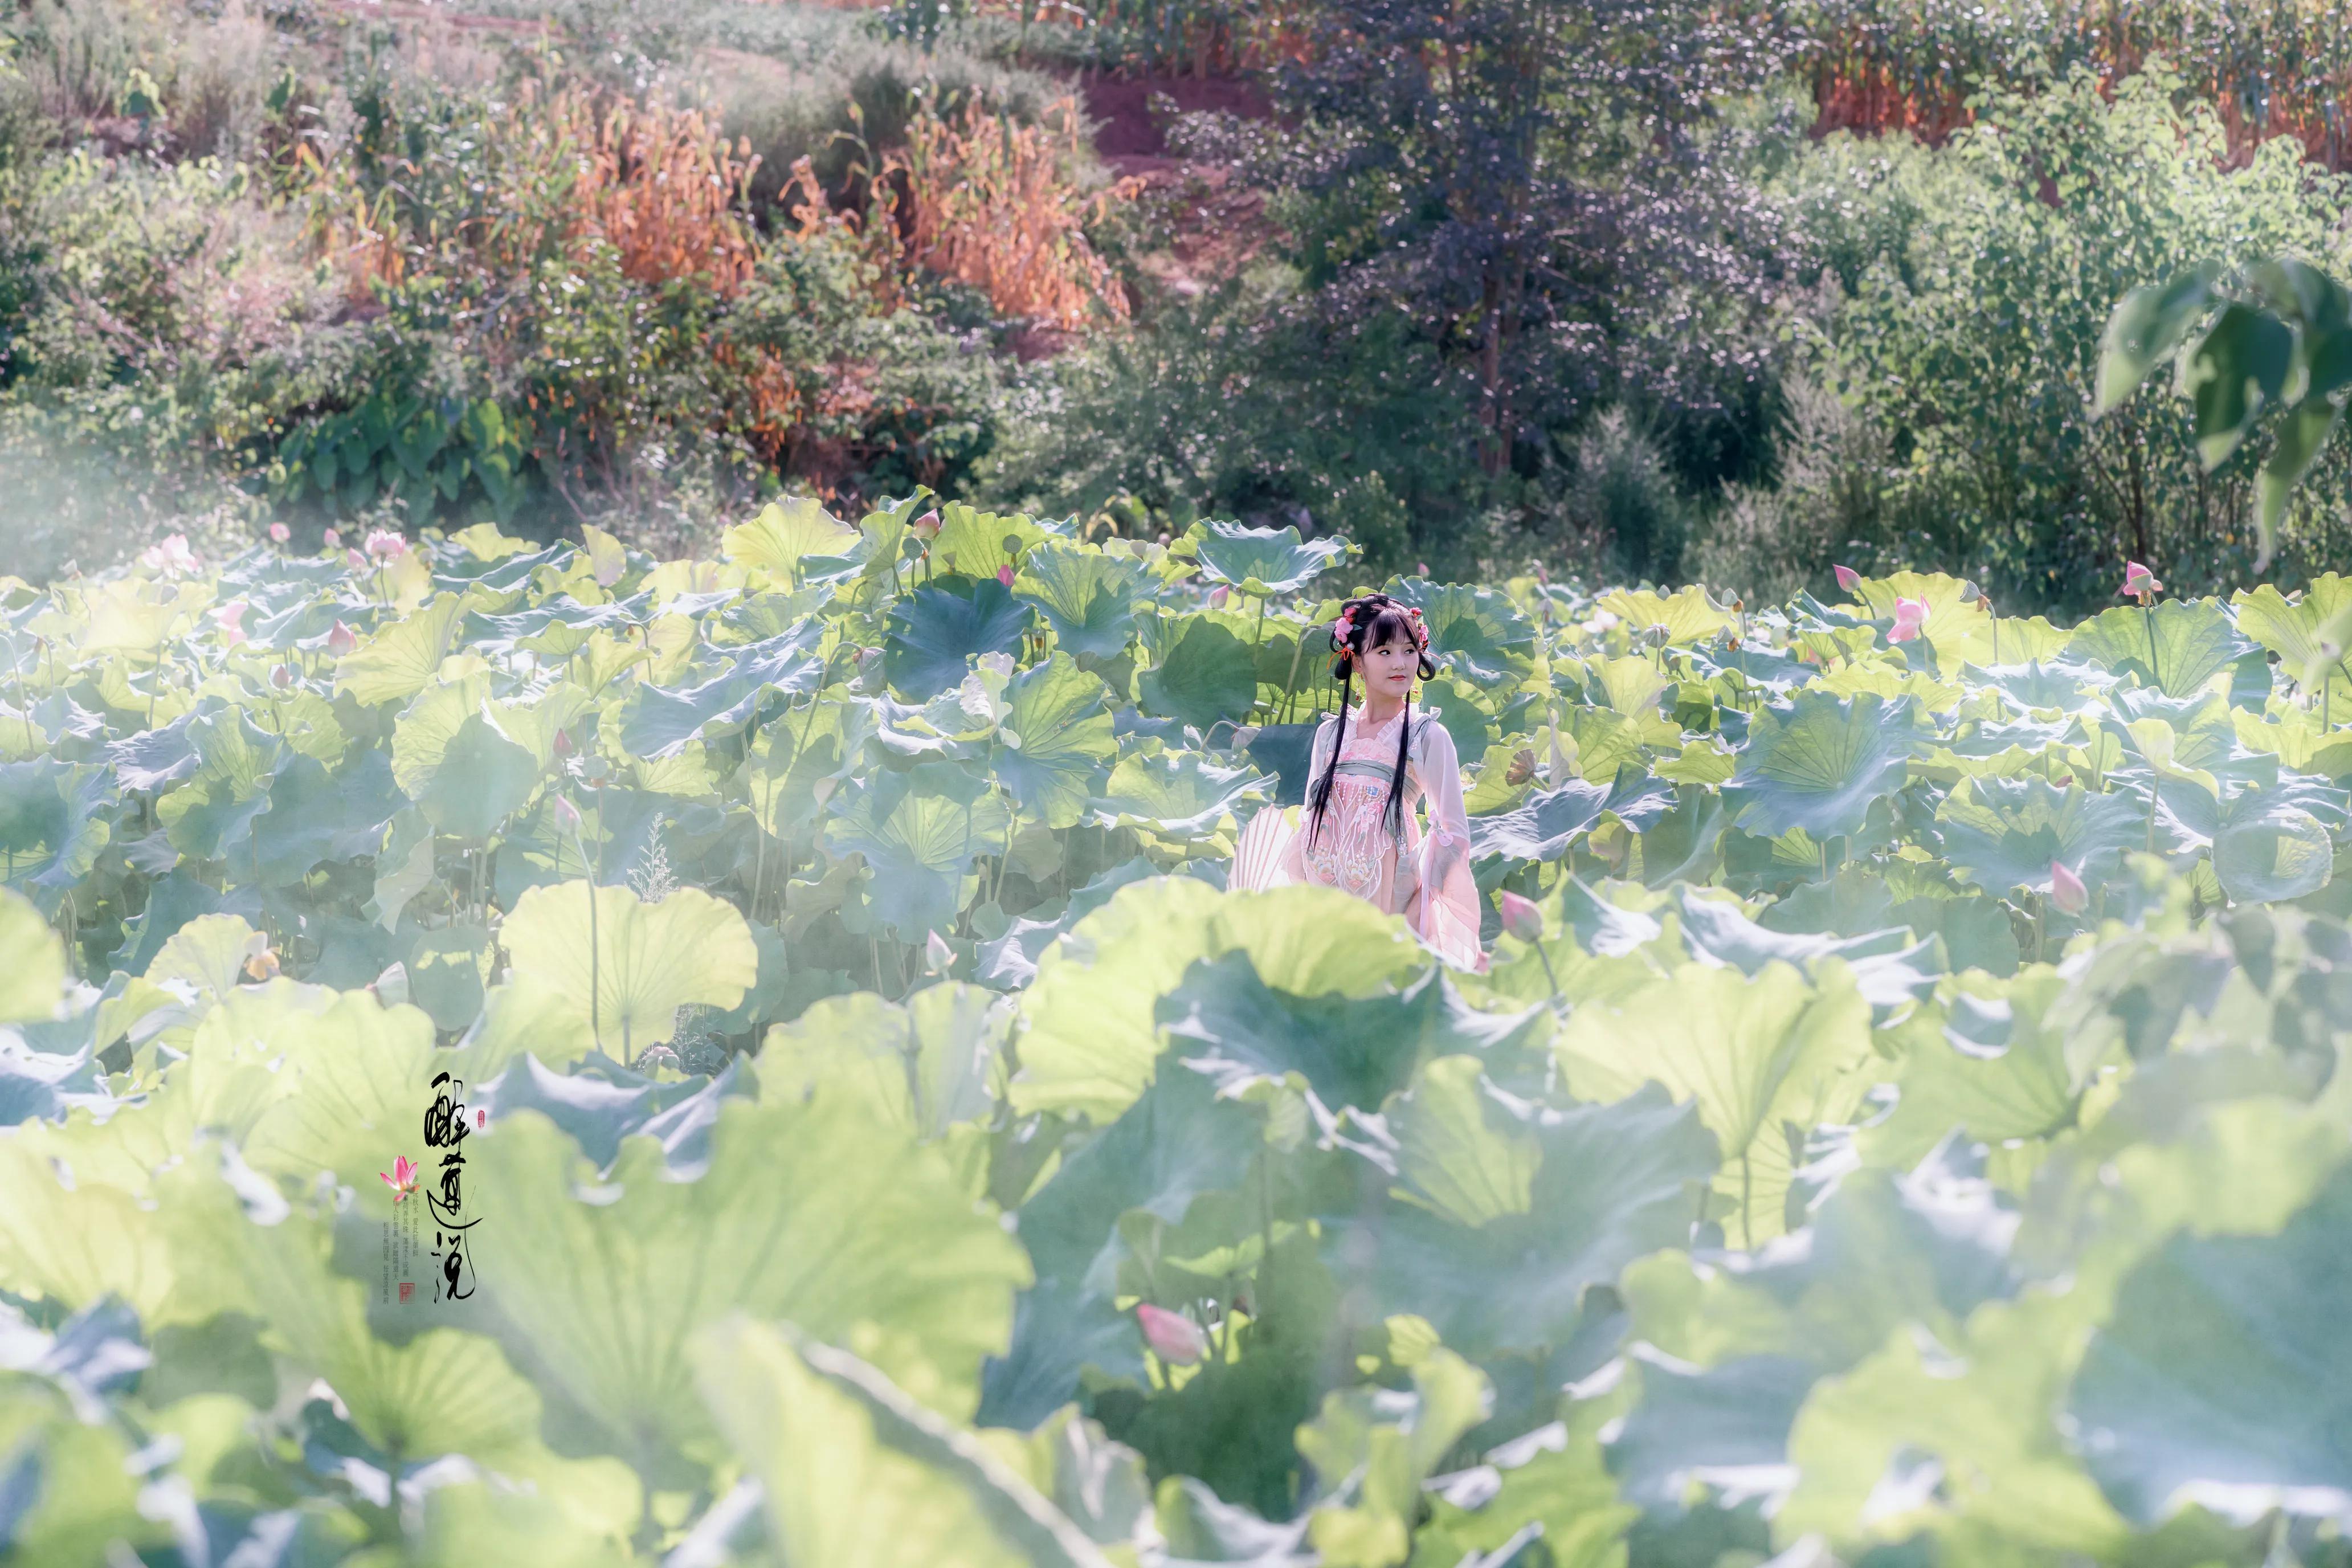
column 540, row 1055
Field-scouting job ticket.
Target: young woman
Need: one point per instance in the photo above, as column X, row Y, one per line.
column 1372, row 766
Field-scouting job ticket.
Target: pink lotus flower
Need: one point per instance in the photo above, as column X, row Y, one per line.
column 1217, row 599
column 1176, row 1339
column 1910, row 615
column 927, row 524
column 1004, row 574
column 355, row 561
column 1422, row 566
column 563, row 742
column 2139, row 583
column 1521, row 917
column 2067, row 894
column 403, row 1178
column 279, row 534
column 341, row 640
column 171, row 555
column 1848, row 579
column 333, row 539
column 566, row 815
column 227, row 617
column 282, row 677
column 383, row 544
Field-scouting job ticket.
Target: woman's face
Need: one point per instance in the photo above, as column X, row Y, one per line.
column 1391, row 667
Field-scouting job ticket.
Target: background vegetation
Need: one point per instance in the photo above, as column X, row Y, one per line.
column 1649, row 288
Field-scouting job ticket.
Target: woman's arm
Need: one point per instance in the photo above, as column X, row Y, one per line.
column 1449, row 893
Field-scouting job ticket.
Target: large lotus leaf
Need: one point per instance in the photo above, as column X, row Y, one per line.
column 794, row 763
column 1055, row 741
column 1958, row 626
column 1262, row 561
column 1544, row 825
column 937, row 631
column 1725, row 1426
column 50, row 829
column 1889, row 966
column 1087, row 597
column 211, row 813
column 2175, row 648
column 658, row 721
column 70, row 1490
column 784, row 531
column 1174, row 1142
column 1177, row 794
column 1766, row 1058
column 126, row 616
column 1987, row 1062
column 1688, row 615
column 1089, row 1035
column 981, row 544
column 1553, row 1479
column 2302, row 633
column 1227, row 1023
column 2004, row 833
column 599, row 1104
column 1372, row 1450
column 813, row 1213
column 919, row 832
column 400, row 660
column 853, row 1472
column 1819, row 764
column 479, row 779
column 1204, row 673
column 315, row 816
column 2215, row 1380
column 1477, row 632
column 924, row 1064
column 1609, row 1184
column 626, row 966
column 2270, row 849
column 32, row 961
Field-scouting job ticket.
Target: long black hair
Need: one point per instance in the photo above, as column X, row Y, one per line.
column 1367, row 622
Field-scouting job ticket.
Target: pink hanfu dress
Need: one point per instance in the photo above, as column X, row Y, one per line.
column 1429, row 883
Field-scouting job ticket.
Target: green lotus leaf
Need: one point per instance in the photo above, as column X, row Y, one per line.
column 1478, row 633
column 1959, row 626
column 852, row 1471
column 936, row 631
column 1055, row 741
column 1262, row 561
column 398, row 660
column 465, row 776
column 980, row 544
column 784, row 533
column 1819, row 764
column 1373, row 1450
column 1201, row 673
column 1554, row 1479
column 811, row 1213
column 211, row 815
column 50, row 827
column 73, row 1489
column 1177, row 794
column 923, row 1064
column 2268, row 850
column 316, row 816
column 1688, row 615
column 1467, row 713
column 794, row 763
column 1611, row 1183
column 1544, row 826
column 626, row 966
column 1989, row 1062
column 32, row 961
column 658, row 721
column 1766, row 1058
column 2004, row 833
column 2303, row 634
column 919, row 832
column 1174, row 1141
column 1087, row 597
column 1089, row 1035
column 2175, row 648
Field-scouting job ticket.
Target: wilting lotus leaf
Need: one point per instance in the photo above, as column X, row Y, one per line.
column 1262, row 561
column 626, row 966
column 852, row 1470
column 1818, row 764
column 938, row 630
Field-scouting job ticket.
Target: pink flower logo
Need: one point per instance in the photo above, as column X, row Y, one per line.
column 402, row 1179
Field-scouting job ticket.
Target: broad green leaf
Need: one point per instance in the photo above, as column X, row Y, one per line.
column 626, row 966
column 853, row 1472
column 784, row 531
column 51, row 832
column 1477, row 632
column 1177, row 794
column 1687, row 615
column 2002, row 834
column 1087, row 597
column 1055, row 741
column 398, row 660
column 659, row 722
column 922, row 1065
column 979, row 544
column 1203, row 674
column 919, row 832
column 32, row 961
column 2145, row 328
column 2268, row 850
column 936, row 631
column 2298, row 633
column 1373, row 1451
column 797, row 761
column 2231, row 373
column 1819, row 764
column 1262, row 561
column 2176, row 646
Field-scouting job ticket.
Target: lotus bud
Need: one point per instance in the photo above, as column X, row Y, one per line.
column 563, row 742
column 566, row 815
column 282, row 677
column 1521, row 917
column 1910, row 615
column 279, row 534
column 333, row 539
column 938, row 956
column 1422, row 567
column 1848, row 579
column 1217, row 598
column 929, row 523
column 341, row 640
column 2067, row 894
column 1004, row 574
column 1174, row 1337
column 355, row 561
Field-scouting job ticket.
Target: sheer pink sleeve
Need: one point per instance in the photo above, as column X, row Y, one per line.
column 1449, row 894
